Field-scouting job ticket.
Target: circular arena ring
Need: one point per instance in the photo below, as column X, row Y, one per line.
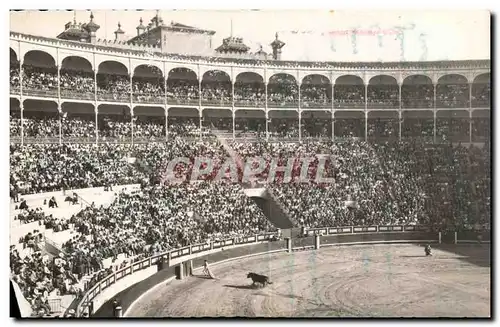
column 383, row 280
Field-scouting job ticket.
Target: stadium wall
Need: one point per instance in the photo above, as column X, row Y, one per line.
column 130, row 289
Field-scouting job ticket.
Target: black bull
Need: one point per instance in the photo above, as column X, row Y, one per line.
column 261, row 279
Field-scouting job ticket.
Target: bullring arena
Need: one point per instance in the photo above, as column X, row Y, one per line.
column 344, row 281
column 97, row 229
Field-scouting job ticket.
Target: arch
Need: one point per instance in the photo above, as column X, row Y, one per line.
column 76, row 63
column 452, row 114
column 453, row 125
column 183, row 112
column 481, row 91
column 146, row 70
column 417, row 114
column 249, row 90
column 216, row 88
column 283, row 114
column 452, row 91
column 482, row 79
column 349, row 80
column 452, row 79
column 349, row 114
column 417, row 91
column 286, row 78
column 383, row 92
column 39, row 106
column 383, row 80
column 113, row 68
column 13, row 56
column 282, row 91
column 216, row 76
column 383, row 114
column 417, row 80
column 481, row 113
column 316, row 91
column 349, row 92
column 39, row 59
column 249, row 114
column 78, row 109
column 316, row 114
column 149, row 111
column 349, row 123
column 182, row 73
column 249, row 77
column 316, row 79
column 217, row 113
column 15, row 104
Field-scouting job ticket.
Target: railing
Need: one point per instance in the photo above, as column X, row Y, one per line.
column 360, row 104
column 366, row 229
column 55, row 305
column 417, row 104
column 52, row 93
column 114, row 97
column 373, row 229
column 72, row 94
column 148, row 98
column 227, row 102
column 283, row 104
column 14, row 90
column 103, row 284
column 217, row 102
column 481, row 103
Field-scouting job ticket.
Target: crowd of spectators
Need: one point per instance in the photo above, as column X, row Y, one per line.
column 77, row 84
column 249, row 94
column 420, row 96
column 14, row 75
column 157, row 218
column 405, row 182
column 40, row 80
column 452, row 96
column 390, row 183
column 52, row 167
column 281, row 90
column 216, row 93
column 111, row 128
column 148, row 89
column 481, row 95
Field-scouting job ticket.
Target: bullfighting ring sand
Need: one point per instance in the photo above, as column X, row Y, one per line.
column 345, row 281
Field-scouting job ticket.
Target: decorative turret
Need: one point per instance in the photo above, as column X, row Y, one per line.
column 233, row 44
column 119, row 33
column 156, row 20
column 141, row 28
column 91, row 28
column 74, row 31
column 261, row 52
column 277, row 45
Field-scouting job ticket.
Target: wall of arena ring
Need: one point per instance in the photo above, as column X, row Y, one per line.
column 247, row 246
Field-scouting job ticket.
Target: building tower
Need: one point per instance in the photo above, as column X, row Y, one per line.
column 277, row 45
column 141, row 28
column 91, row 28
column 119, row 33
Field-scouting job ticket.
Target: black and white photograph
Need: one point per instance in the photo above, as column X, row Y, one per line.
column 250, row 163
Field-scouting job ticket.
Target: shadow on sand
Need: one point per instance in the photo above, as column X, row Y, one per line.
column 476, row 254
column 242, row 287
column 202, row 277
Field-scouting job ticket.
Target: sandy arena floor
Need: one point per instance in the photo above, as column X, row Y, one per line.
column 360, row 281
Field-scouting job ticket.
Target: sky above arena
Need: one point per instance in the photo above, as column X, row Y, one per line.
column 309, row 35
